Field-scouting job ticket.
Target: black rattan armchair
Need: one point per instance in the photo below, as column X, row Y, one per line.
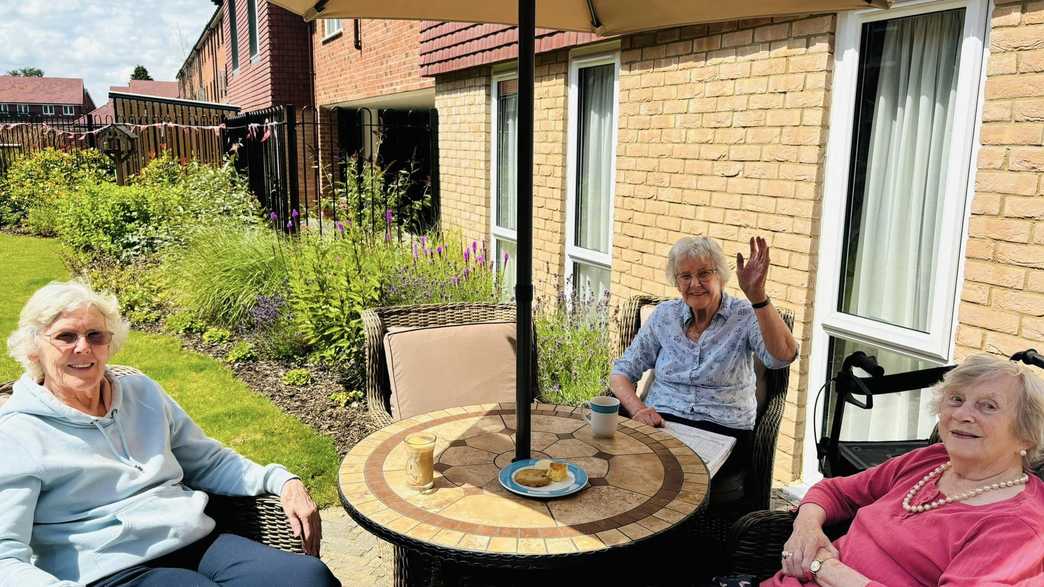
column 259, row 518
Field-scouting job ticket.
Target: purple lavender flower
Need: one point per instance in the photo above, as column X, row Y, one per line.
column 438, row 250
column 467, row 272
column 506, row 257
column 294, row 214
column 467, row 255
column 414, row 251
column 474, row 246
column 424, row 242
column 289, row 224
column 388, row 216
column 454, row 280
column 273, row 216
column 481, row 260
column 266, row 310
column 339, row 226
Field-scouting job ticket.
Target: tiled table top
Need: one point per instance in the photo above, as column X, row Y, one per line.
column 642, row 482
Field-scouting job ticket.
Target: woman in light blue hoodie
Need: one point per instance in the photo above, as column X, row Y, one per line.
column 102, row 478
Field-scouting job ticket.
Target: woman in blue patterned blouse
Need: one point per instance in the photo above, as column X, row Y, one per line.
column 702, row 345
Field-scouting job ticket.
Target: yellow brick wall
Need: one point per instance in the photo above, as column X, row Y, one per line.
column 723, row 133
column 1002, row 300
column 463, row 104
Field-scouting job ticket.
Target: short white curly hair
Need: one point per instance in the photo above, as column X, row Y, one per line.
column 47, row 305
column 697, row 247
column 1029, row 396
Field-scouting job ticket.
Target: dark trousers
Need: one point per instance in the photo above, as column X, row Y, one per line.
column 228, row 560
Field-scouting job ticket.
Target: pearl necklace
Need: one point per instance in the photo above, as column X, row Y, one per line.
column 913, row 509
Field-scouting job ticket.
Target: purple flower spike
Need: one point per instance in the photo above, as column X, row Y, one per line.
column 273, row 216
column 474, row 246
column 414, row 251
column 424, row 242
column 290, row 225
column 340, row 226
column 481, row 259
column 506, row 257
column 438, row 250
column 467, row 255
column 388, row 216
column 467, row 271
column 294, row 214
column 454, row 280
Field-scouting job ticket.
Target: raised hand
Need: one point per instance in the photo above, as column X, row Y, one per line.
column 752, row 272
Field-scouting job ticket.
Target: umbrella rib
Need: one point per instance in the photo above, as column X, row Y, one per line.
column 595, row 22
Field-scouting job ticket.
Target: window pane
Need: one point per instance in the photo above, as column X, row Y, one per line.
column 590, row 281
column 252, row 20
column 507, row 149
column 898, row 416
column 506, row 252
column 901, row 144
column 594, row 157
column 233, row 34
column 331, row 26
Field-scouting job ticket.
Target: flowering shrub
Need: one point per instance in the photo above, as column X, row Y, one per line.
column 574, row 347
column 34, row 184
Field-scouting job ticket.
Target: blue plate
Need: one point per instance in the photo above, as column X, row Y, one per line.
column 575, row 480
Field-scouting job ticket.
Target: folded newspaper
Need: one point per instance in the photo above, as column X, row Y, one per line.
column 713, row 448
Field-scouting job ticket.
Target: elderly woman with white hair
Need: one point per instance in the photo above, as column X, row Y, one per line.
column 963, row 512
column 702, row 347
column 102, row 479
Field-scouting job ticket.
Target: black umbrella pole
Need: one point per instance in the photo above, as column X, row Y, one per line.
column 524, row 256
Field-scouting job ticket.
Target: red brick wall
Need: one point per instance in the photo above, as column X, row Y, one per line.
column 280, row 73
column 388, row 63
column 204, row 74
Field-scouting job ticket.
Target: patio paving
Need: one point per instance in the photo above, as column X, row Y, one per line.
column 357, row 557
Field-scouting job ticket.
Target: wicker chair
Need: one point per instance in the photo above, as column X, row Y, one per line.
column 259, row 518
column 379, row 321
column 712, row 525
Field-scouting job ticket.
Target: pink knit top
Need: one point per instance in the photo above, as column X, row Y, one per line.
column 954, row 545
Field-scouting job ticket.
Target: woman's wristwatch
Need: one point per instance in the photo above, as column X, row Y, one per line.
column 814, row 567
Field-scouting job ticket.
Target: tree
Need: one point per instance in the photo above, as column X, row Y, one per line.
column 141, row 73
column 26, row 72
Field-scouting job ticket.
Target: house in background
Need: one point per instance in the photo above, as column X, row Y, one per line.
column 43, row 96
column 905, row 211
column 373, row 100
column 203, row 76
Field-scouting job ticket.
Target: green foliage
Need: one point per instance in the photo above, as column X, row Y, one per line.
column 35, row 184
column 297, row 377
column 369, row 191
column 26, row 72
column 183, row 323
column 140, row 73
column 575, row 352
column 221, row 273
column 343, row 398
column 138, row 287
column 216, row 336
column 241, row 352
column 206, row 194
column 439, row 271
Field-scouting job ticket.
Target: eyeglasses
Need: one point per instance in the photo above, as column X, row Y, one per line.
column 704, row 276
column 68, row 338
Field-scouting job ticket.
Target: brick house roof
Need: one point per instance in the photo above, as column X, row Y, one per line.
column 452, row 46
column 41, row 90
column 137, row 86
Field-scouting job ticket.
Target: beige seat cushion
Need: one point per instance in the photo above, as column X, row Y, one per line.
column 448, row 366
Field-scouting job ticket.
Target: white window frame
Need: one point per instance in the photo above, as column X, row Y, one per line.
column 497, row 232
column 48, row 109
column 329, row 31
column 253, row 31
column 937, row 345
column 574, row 253
column 69, row 110
column 22, row 108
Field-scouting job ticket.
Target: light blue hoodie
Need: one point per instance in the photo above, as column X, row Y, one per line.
column 82, row 497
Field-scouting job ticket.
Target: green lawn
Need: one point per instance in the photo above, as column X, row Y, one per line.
column 221, row 404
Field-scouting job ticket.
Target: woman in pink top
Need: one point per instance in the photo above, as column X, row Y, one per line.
column 966, row 512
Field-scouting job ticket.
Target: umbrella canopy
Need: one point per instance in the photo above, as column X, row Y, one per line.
column 606, row 17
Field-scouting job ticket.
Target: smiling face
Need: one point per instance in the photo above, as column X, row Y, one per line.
column 977, row 423
column 75, row 368
column 698, row 283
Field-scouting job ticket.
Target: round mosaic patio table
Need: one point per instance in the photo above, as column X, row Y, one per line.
column 644, row 485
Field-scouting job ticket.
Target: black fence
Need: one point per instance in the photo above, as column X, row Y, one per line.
column 294, row 159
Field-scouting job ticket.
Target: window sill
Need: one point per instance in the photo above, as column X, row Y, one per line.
column 331, row 37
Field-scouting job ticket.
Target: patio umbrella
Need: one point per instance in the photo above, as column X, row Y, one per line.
column 605, row 17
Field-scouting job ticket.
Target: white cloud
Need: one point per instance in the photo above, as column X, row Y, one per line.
column 100, row 41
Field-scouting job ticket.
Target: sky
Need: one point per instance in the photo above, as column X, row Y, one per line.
column 100, row 41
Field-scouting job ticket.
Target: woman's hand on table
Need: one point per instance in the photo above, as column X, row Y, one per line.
column 648, row 415
column 303, row 515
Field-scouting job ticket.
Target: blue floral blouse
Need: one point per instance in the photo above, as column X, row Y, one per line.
column 711, row 379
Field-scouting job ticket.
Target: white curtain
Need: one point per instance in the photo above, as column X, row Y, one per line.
column 507, row 160
column 594, row 157
column 897, row 241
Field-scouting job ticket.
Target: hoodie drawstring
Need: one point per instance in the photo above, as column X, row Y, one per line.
column 125, row 458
